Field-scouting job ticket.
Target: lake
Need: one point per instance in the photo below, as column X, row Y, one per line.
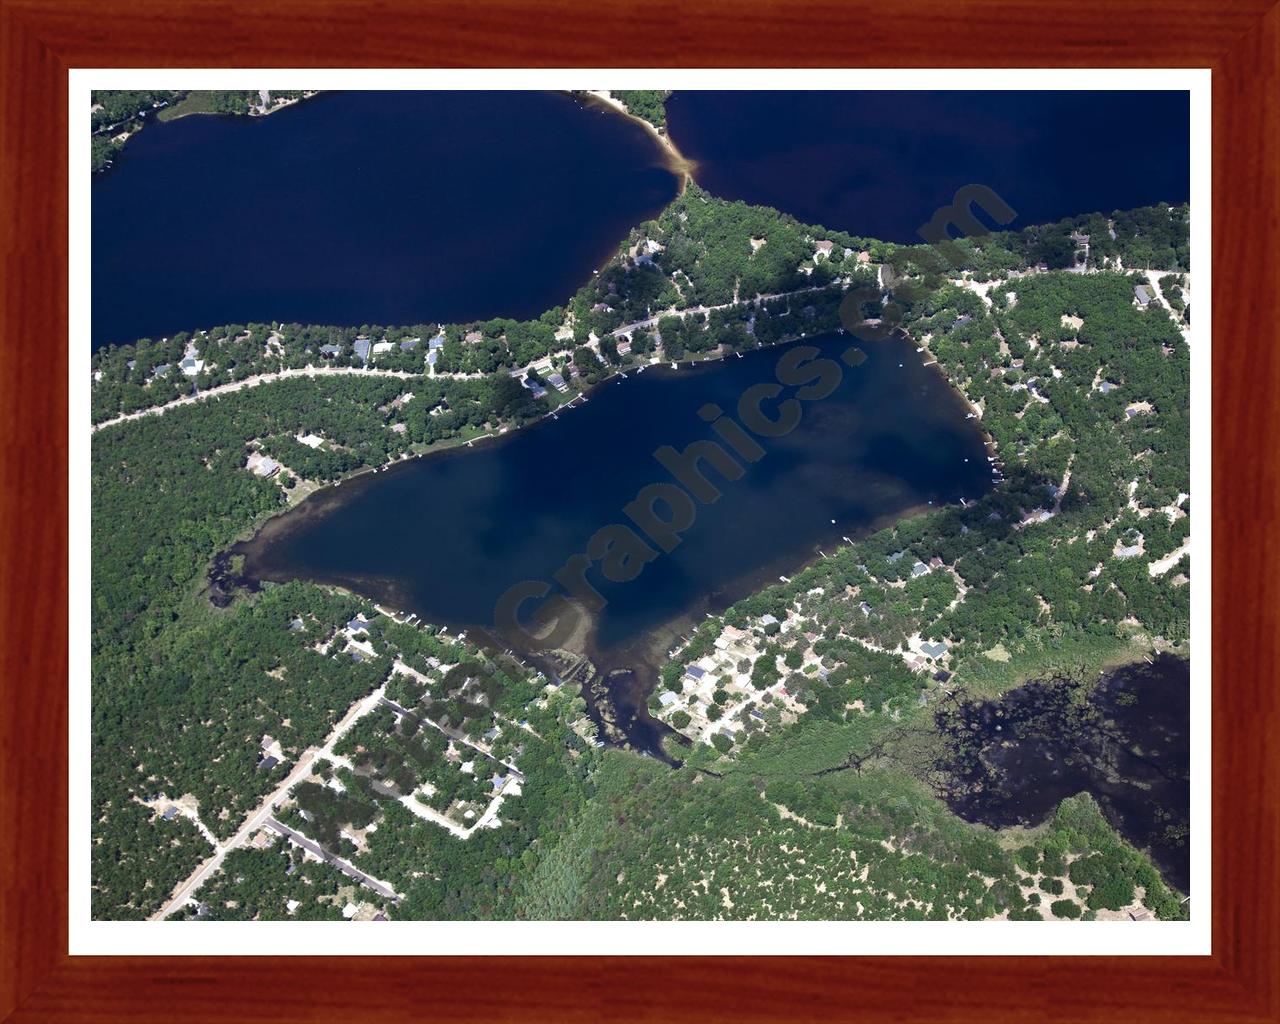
column 1013, row 760
column 367, row 208
column 881, row 164
column 446, row 535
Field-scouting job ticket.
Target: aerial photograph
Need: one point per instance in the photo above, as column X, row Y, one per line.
column 640, row 505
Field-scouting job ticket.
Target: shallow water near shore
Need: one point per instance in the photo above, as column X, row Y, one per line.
column 445, row 535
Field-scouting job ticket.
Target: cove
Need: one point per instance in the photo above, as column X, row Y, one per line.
column 880, row 164
column 444, row 535
column 1125, row 741
column 367, row 207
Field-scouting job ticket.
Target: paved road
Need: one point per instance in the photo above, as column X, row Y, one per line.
column 453, row 734
column 371, row 371
column 259, row 817
column 251, row 382
column 381, row 888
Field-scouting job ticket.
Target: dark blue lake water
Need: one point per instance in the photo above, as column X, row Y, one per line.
column 367, row 208
column 881, row 163
column 404, row 208
column 446, row 535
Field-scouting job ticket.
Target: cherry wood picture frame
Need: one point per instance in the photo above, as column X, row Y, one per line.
column 41, row 39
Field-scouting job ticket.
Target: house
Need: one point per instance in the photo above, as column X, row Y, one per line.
column 624, row 347
column 473, row 337
column 1142, row 294
column 383, row 346
column 267, row 763
column 896, row 556
column 960, row 321
column 358, row 625
column 694, row 672
column 941, row 676
column 436, row 342
column 823, row 247
column 768, row 620
column 936, row 563
column 432, row 356
column 296, row 626
column 557, row 382
column 265, row 466
column 934, row 648
column 362, row 347
column 409, row 344
column 169, row 814
column 161, row 371
column 668, row 698
column 329, row 351
column 492, row 734
column 1106, row 387
column 310, row 440
column 918, row 569
column 191, row 366
column 864, row 608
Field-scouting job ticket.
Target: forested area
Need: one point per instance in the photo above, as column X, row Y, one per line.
column 651, row 104
column 117, row 112
column 701, row 252
column 656, row 844
column 184, row 692
column 1049, row 559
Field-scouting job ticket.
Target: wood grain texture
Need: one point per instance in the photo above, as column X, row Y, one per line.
column 41, row 39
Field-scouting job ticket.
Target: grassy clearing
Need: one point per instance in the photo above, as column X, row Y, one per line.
column 1040, row 656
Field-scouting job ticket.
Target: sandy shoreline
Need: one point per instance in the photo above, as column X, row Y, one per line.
column 679, row 164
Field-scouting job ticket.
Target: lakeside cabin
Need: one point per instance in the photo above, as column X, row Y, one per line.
column 934, row 648
column 262, row 465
